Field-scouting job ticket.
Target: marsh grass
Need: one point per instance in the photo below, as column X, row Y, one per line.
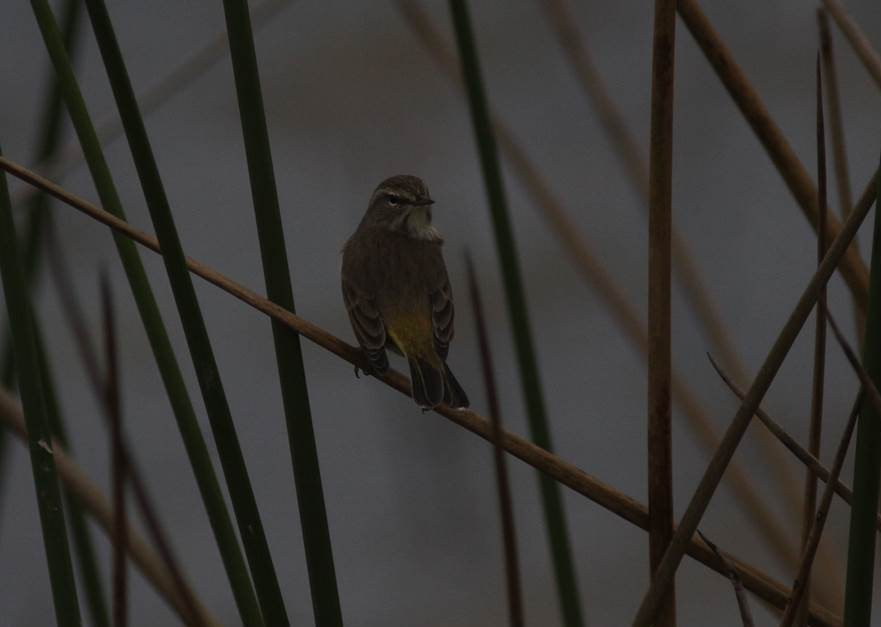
column 153, row 324
column 210, row 382
column 255, row 586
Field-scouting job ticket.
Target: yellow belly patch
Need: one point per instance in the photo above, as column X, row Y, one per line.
column 412, row 332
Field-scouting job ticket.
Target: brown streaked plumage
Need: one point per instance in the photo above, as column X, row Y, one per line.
column 397, row 292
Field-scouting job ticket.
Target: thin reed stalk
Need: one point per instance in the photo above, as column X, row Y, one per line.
column 867, row 462
column 555, row 520
column 30, row 384
column 868, row 391
column 113, row 405
column 800, row 584
column 771, row 365
column 207, row 372
column 559, row 470
column 777, row 538
column 837, row 135
column 288, row 353
column 172, row 378
column 509, row 536
column 660, row 433
column 816, row 421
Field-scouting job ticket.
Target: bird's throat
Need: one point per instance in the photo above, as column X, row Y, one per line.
column 418, row 224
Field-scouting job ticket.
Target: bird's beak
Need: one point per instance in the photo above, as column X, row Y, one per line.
column 424, row 202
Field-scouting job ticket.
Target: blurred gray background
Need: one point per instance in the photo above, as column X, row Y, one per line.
column 351, row 98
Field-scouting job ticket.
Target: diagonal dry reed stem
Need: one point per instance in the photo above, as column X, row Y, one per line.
column 778, row 540
column 796, row 177
column 93, row 501
column 660, row 435
column 811, row 463
column 839, row 150
column 721, row 458
column 857, row 39
column 565, row 473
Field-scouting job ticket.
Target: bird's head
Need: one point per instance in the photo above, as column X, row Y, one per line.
column 402, row 203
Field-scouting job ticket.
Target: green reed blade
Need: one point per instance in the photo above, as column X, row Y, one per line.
column 198, row 341
column 67, row 612
column 90, row 572
column 867, row 459
column 292, row 374
column 172, row 378
column 47, row 145
column 567, row 587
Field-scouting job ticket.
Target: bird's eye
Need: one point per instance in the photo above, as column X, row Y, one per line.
column 394, row 199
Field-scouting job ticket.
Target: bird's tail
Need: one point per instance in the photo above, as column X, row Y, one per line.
column 454, row 395
column 428, row 383
column 432, row 386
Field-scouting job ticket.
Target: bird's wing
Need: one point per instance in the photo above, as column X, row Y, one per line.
column 368, row 325
column 442, row 315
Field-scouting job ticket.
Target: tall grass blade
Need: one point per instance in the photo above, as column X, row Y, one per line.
column 67, row 613
column 867, row 461
column 172, row 378
column 660, row 433
column 509, row 536
column 51, row 121
column 230, row 452
column 113, row 403
column 90, row 573
column 288, row 353
column 567, row 587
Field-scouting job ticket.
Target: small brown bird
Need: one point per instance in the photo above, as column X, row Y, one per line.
column 397, row 293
